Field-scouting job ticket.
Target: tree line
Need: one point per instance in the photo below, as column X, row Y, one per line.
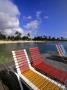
column 18, row 36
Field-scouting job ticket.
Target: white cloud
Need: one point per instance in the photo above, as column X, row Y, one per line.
column 27, row 17
column 8, row 7
column 38, row 13
column 64, row 34
column 45, row 17
column 9, row 14
column 32, row 25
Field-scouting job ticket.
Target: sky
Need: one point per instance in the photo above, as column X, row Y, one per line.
column 37, row 17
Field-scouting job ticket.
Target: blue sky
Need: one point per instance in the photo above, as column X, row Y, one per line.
column 43, row 17
column 56, row 11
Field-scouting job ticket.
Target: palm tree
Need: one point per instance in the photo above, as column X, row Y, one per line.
column 17, row 35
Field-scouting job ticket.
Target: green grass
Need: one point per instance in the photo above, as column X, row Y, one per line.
column 5, row 58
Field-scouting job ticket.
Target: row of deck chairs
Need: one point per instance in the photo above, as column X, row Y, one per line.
column 32, row 77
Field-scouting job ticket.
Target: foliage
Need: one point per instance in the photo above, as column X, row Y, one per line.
column 18, row 36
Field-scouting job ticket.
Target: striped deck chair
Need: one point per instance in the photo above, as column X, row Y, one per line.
column 40, row 65
column 30, row 76
column 60, row 49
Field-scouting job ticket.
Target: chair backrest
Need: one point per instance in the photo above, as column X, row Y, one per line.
column 59, row 50
column 21, row 60
column 35, row 56
column 63, row 50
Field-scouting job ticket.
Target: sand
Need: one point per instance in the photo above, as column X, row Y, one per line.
column 7, row 42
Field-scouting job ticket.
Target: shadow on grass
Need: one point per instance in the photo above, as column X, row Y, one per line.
column 9, row 79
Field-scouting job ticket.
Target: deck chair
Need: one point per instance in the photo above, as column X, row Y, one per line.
column 34, row 79
column 60, row 49
column 39, row 63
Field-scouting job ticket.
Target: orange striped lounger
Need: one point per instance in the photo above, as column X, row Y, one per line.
column 34, row 79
